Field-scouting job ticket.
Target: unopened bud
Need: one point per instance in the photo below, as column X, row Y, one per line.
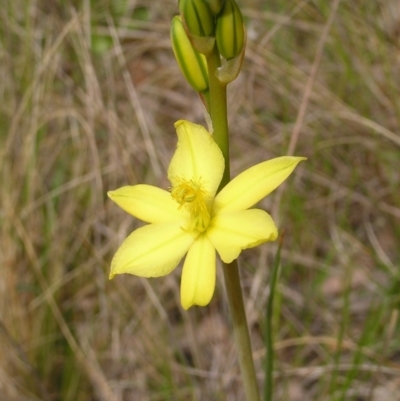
column 215, row 5
column 192, row 64
column 229, row 32
column 197, row 17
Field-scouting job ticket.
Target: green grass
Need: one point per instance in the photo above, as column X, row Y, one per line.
column 89, row 94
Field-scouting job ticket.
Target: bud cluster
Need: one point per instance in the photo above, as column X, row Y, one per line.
column 202, row 25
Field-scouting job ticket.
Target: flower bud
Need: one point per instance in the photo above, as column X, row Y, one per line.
column 229, row 32
column 215, row 5
column 192, row 64
column 197, row 17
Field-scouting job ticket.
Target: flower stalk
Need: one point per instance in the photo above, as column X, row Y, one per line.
column 219, row 117
column 241, row 330
column 219, row 111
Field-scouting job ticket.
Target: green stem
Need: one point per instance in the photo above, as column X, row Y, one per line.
column 219, row 118
column 269, row 357
column 219, row 112
column 240, row 329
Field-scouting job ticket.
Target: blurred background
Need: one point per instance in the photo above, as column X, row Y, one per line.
column 89, row 92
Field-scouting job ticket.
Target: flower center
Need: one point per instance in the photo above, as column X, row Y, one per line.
column 191, row 196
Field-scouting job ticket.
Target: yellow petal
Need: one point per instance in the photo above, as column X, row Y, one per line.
column 232, row 232
column 254, row 184
column 197, row 157
column 152, row 251
column 148, row 203
column 198, row 274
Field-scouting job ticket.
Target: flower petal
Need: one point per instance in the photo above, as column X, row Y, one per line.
column 232, row 232
column 197, row 157
column 148, row 203
column 198, row 274
column 152, row 251
column 254, row 184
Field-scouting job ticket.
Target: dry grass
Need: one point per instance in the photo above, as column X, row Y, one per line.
column 89, row 96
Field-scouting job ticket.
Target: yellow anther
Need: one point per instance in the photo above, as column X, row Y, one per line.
column 191, row 196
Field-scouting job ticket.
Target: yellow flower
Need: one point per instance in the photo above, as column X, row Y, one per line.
column 191, row 218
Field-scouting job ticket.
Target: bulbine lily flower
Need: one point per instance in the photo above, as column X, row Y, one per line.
column 193, row 219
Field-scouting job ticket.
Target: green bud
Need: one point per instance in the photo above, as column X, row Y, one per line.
column 192, row 64
column 197, row 17
column 229, row 32
column 215, row 5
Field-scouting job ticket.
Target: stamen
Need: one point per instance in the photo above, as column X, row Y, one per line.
column 191, row 196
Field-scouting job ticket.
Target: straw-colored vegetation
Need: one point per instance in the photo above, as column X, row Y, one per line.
column 89, row 94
